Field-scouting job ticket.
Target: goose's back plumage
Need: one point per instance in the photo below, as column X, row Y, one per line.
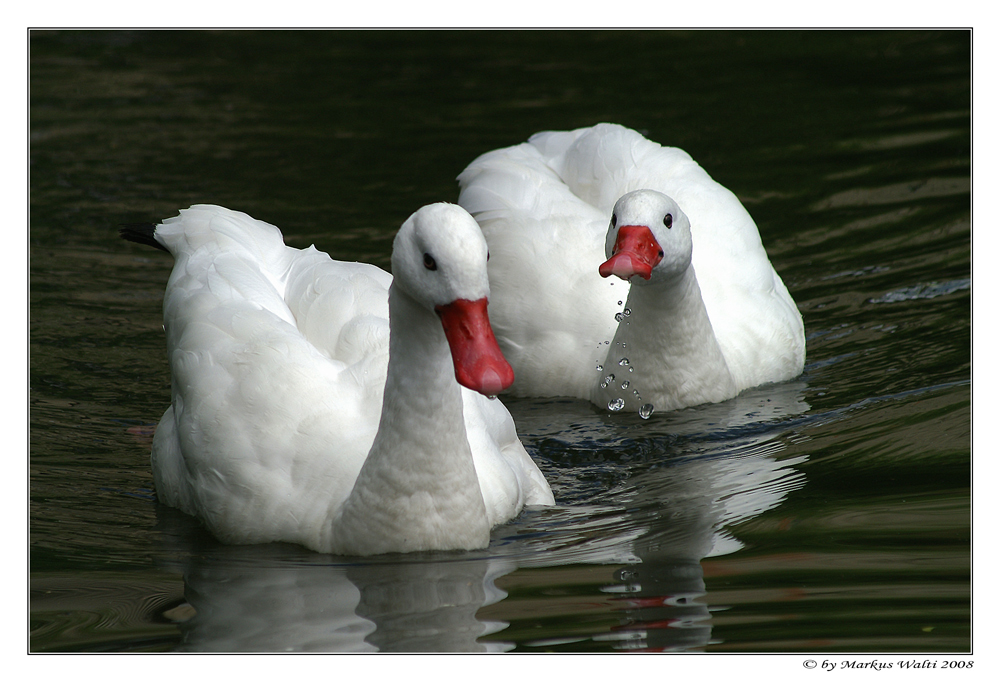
column 545, row 246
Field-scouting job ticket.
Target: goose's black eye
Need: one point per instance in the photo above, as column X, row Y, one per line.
column 668, row 220
column 429, row 262
column 614, row 220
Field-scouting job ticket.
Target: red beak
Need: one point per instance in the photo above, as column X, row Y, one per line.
column 636, row 252
column 479, row 363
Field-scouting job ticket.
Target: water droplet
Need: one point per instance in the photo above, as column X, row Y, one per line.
column 626, row 312
column 624, row 385
column 619, row 302
column 646, row 411
column 623, row 344
column 600, row 368
column 619, row 317
column 631, row 369
column 623, row 362
column 491, row 397
column 616, row 405
column 607, row 343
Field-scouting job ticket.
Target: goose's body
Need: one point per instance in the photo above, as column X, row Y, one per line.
column 316, row 401
column 544, row 207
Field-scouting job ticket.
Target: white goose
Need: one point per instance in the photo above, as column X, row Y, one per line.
column 704, row 320
column 282, row 361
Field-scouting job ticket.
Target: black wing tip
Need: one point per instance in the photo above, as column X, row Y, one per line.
column 141, row 233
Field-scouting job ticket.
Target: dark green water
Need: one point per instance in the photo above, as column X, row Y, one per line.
column 827, row 514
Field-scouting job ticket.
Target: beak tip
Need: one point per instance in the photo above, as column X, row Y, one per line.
column 625, row 267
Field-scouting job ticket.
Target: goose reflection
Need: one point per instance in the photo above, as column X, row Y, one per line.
column 678, row 510
column 661, row 596
column 631, row 555
column 282, row 598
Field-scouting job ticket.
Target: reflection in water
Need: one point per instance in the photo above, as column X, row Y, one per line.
column 651, row 534
column 430, row 606
column 689, row 509
column 250, row 606
column 283, row 598
column 660, row 608
column 680, row 510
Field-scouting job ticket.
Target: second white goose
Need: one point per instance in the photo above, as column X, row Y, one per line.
column 690, row 335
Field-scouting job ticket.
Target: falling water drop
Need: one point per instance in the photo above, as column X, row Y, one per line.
column 619, row 317
column 600, row 368
column 623, row 362
column 646, row 411
column 624, row 385
column 616, row 405
column 626, row 312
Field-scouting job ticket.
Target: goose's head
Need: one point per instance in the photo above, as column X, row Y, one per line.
column 439, row 259
column 649, row 236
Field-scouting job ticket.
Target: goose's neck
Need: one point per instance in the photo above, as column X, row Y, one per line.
column 672, row 356
column 418, row 485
